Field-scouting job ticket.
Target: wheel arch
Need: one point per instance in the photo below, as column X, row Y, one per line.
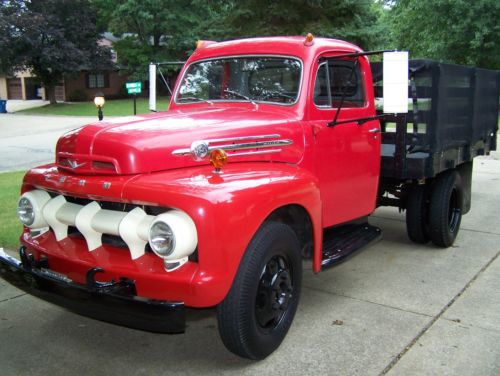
column 298, row 219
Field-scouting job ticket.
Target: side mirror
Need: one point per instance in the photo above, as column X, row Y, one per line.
column 395, row 71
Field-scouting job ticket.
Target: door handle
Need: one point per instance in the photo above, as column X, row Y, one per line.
column 374, row 130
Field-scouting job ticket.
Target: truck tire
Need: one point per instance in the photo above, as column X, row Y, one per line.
column 417, row 215
column 445, row 209
column 256, row 314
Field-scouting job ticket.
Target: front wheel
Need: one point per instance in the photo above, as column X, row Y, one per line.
column 258, row 310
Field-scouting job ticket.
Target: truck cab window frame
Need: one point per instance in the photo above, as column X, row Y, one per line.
column 337, row 73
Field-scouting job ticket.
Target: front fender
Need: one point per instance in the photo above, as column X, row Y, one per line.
column 228, row 209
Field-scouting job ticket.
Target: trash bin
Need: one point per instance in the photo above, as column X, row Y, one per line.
column 3, row 106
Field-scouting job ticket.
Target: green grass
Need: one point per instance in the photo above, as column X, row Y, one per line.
column 116, row 107
column 10, row 228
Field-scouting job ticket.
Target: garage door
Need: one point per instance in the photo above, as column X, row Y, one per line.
column 14, row 87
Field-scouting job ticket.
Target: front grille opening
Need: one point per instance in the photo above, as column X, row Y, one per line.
column 111, row 240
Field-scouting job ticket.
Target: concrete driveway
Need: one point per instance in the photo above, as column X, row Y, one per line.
column 28, row 141
column 396, row 308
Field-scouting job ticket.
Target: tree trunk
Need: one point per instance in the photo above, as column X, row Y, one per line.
column 50, row 91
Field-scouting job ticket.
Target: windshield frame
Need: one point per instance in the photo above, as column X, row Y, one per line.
column 186, row 69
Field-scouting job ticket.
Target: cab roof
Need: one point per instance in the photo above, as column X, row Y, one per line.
column 288, row 46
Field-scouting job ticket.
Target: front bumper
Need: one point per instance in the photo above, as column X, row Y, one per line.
column 114, row 301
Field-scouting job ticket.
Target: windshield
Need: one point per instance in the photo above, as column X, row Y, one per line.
column 249, row 78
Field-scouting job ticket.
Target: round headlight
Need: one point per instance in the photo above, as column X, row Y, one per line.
column 25, row 211
column 161, row 239
column 30, row 207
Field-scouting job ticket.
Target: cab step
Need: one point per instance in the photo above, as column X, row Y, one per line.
column 341, row 242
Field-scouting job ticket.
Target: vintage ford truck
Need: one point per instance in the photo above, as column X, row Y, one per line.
column 272, row 151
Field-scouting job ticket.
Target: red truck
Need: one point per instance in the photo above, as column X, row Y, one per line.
column 272, row 151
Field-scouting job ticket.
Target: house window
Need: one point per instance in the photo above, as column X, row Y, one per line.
column 97, row 80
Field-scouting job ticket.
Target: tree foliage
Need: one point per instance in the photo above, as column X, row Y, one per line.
column 151, row 30
column 457, row 31
column 352, row 20
column 51, row 38
column 157, row 30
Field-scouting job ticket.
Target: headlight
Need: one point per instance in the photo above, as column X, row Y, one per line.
column 161, row 239
column 173, row 237
column 30, row 206
column 25, row 211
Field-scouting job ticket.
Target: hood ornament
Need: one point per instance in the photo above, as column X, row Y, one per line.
column 74, row 164
column 261, row 144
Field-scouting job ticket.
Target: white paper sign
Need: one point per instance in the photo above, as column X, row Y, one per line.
column 152, row 87
column 395, row 82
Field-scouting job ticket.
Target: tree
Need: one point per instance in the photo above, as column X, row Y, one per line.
column 457, row 31
column 52, row 38
column 352, row 20
column 158, row 30
column 151, row 30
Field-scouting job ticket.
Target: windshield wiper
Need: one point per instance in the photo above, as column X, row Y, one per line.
column 240, row 96
column 196, row 100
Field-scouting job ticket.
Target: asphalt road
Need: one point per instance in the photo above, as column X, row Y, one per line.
column 395, row 308
column 28, row 141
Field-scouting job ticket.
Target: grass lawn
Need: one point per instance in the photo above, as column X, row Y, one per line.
column 10, row 228
column 116, row 107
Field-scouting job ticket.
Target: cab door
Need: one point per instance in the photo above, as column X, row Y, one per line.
column 347, row 155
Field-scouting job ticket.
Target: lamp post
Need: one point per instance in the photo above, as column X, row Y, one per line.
column 99, row 103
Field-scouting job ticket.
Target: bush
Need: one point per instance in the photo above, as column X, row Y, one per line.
column 78, row 95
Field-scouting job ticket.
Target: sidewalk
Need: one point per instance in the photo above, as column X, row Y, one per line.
column 14, row 105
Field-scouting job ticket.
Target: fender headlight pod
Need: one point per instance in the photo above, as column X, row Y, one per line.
column 173, row 237
column 30, row 206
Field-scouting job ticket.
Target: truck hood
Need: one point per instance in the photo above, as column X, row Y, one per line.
column 163, row 141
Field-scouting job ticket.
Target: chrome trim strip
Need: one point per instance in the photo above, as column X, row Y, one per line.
column 252, row 145
column 244, row 138
column 261, row 142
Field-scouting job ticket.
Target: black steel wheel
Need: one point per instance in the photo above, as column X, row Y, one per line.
column 446, row 209
column 417, row 214
column 261, row 304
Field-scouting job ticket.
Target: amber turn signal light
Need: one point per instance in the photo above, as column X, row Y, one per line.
column 309, row 40
column 218, row 159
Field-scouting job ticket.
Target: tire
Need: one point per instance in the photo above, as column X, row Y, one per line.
column 445, row 210
column 256, row 314
column 417, row 215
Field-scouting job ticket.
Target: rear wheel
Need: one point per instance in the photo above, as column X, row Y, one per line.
column 445, row 209
column 417, row 214
column 258, row 310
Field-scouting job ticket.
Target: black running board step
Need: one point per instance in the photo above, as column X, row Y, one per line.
column 341, row 242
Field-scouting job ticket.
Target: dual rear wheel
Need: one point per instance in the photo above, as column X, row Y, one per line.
column 434, row 213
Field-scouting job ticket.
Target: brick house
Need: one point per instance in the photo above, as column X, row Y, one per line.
column 81, row 87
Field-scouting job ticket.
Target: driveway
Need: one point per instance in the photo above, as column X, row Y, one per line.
column 396, row 308
column 28, row 141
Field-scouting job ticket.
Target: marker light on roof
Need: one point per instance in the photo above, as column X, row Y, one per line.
column 309, row 40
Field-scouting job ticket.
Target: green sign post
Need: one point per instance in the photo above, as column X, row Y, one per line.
column 134, row 88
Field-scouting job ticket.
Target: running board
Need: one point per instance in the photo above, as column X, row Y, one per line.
column 341, row 242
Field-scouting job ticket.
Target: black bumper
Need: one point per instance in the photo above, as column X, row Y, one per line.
column 114, row 302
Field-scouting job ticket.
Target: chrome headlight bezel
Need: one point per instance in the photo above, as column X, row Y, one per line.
column 161, row 230
column 184, row 238
column 34, row 201
column 25, row 211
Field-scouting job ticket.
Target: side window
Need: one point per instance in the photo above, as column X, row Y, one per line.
column 321, row 92
column 345, row 81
